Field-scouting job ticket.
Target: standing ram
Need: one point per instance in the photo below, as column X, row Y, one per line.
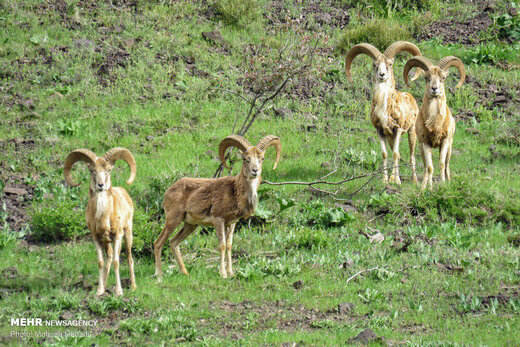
column 435, row 125
column 393, row 112
column 109, row 210
column 218, row 202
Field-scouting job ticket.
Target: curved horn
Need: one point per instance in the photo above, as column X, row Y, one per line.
column 232, row 141
column 84, row 155
column 122, row 153
column 403, row 46
column 420, row 62
column 268, row 141
column 362, row 48
column 451, row 61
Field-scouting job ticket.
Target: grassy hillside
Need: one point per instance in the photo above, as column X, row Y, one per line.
column 145, row 75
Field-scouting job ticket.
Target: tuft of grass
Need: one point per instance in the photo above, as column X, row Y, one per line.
column 379, row 32
column 238, row 12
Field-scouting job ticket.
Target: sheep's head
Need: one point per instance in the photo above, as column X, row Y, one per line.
column 99, row 167
column 252, row 156
column 382, row 62
column 435, row 76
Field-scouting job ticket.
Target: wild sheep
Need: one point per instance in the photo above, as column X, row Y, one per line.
column 219, row 202
column 109, row 210
column 392, row 112
column 435, row 124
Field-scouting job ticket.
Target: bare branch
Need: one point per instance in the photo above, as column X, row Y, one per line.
column 361, row 272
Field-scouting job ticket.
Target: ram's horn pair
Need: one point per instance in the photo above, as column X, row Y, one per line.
column 90, row 158
column 444, row 64
column 368, row 49
column 243, row 145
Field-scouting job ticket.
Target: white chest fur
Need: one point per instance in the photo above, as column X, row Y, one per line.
column 101, row 203
column 253, row 191
column 381, row 95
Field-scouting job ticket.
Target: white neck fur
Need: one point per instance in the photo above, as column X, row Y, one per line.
column 436, row 112
column 253, row 191
column 382, row 91
column 101, row 200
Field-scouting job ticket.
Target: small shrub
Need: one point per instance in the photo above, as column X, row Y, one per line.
column 379, row 32
column 57, row 220
column 317, row 214
column 507, row 26
column 145, row 232
column 266, row 267
column 237, row 12
column 489, row 54
column 171, row 322
column 309, row 239
column 70, row 127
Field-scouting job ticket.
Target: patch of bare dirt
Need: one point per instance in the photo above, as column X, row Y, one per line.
column 465, row 32
column 113, row 59
column 288, row 317
column 504, row 297
column 368, row 337
column 324, row 13
column 16, row 194
column 492, row 96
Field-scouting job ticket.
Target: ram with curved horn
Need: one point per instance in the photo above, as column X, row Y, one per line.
column 435, row 124
column 218, row 202
column 109, row 210
column 393, row 113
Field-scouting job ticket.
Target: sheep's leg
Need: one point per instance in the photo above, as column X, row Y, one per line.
column 412, row 139
column 382, row 141
column 428, row 166
column 172, row 222
column 110, row 256
column 117, row 252
column 448, row 158
column 99, row 251
column 128, row 242
column 229, row 243
column 443, row 152
column 396, row 156
column 175, row 241
column 221, row 230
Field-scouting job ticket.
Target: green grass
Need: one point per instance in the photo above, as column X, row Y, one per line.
column 447, row 270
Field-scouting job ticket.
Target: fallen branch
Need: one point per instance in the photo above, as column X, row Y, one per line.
column 377, row 268
column 320, row 180
column 362, row 272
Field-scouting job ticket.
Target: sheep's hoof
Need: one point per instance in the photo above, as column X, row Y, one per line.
column 133, row 287
column 230, row 273
column 119, row 292
column 100, row 292
column 158, row 277
column 223, row 273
